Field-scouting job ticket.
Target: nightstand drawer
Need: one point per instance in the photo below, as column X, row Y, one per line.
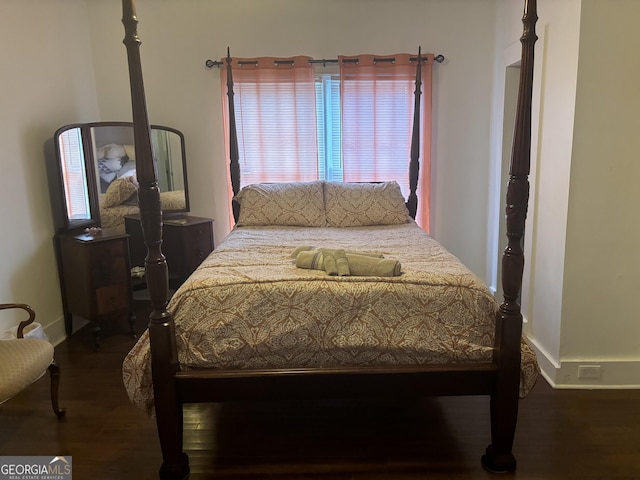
column 186, row 242
column 109, row 270
column 198, row 244
column 112, row 298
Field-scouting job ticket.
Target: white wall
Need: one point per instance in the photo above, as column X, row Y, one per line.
column 600, row 318
column 578, row 291
column 47, row 81
column 555, row 74
column 177, row 38
column 559, row 28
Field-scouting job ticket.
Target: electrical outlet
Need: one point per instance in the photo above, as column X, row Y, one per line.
column 589, row 372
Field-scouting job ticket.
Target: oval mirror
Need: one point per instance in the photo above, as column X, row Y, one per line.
column 97, row 170
column 113, row 153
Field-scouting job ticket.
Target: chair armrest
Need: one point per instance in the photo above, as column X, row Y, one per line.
column 25, row 307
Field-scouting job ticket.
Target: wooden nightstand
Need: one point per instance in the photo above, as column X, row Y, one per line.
column 186, row 242
column 95, row 278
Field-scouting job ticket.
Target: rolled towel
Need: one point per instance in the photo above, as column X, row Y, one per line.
column 308, row 248
column 311, row 259
column 304, row 248
column 342, row 264
column 329, row 262
column 359, row 265
column 362, row 265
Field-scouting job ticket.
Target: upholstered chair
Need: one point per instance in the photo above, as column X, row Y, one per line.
column 25, row 360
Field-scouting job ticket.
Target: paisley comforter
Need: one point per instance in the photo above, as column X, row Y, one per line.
column 248, row 307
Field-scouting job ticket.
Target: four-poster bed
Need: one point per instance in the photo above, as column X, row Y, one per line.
column 468, row 346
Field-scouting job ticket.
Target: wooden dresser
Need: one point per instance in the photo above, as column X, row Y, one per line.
column 187, row 240
column 95, row 278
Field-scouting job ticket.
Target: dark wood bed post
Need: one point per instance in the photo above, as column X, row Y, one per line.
column 414, row 163
column 161, row 325
column 234, row 155
column 504, row 399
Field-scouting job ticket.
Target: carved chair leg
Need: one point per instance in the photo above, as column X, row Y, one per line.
column 54, row 373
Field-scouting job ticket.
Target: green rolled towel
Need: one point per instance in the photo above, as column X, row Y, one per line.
column 342, row 264
column 358, row 264
column 362, row 265
column 308, row 248
column 304, row 248
column 311, row 259
column 329, row 262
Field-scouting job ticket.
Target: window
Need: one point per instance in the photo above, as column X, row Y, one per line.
column 377, row 118
column 74, row 174
column 275, row 105
column 328, row 127
column 296, row 124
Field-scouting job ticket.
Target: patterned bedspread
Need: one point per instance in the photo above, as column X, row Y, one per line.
column 248, row 306
column 112, row 218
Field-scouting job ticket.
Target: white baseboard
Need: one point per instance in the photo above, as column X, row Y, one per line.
column 56, row 331
column 611, row 374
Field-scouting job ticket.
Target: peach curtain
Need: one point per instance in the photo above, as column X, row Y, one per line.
column 377, row 118
column 275, row 105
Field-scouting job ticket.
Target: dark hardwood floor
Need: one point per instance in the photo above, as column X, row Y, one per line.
column 562, row 434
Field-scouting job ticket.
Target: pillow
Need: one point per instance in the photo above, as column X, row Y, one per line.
column 360, row 204
column 110, row 165
column 294, row 204
column 127, row 170
column 100, row 152
column 119, row 191
column 113, row 151
column 130, row 151
column 108, row 168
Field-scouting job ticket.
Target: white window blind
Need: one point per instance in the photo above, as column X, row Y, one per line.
column 329, row 128
column 275, row 147
column 276, row 132
column 74, row 174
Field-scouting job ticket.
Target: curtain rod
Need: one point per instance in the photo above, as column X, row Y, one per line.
column 213, row 63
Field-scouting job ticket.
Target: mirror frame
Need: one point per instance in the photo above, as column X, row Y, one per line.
column 90, row 165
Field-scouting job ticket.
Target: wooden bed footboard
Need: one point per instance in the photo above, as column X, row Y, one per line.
column 173, row 387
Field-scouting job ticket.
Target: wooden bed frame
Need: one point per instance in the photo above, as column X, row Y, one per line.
column 499, row 378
